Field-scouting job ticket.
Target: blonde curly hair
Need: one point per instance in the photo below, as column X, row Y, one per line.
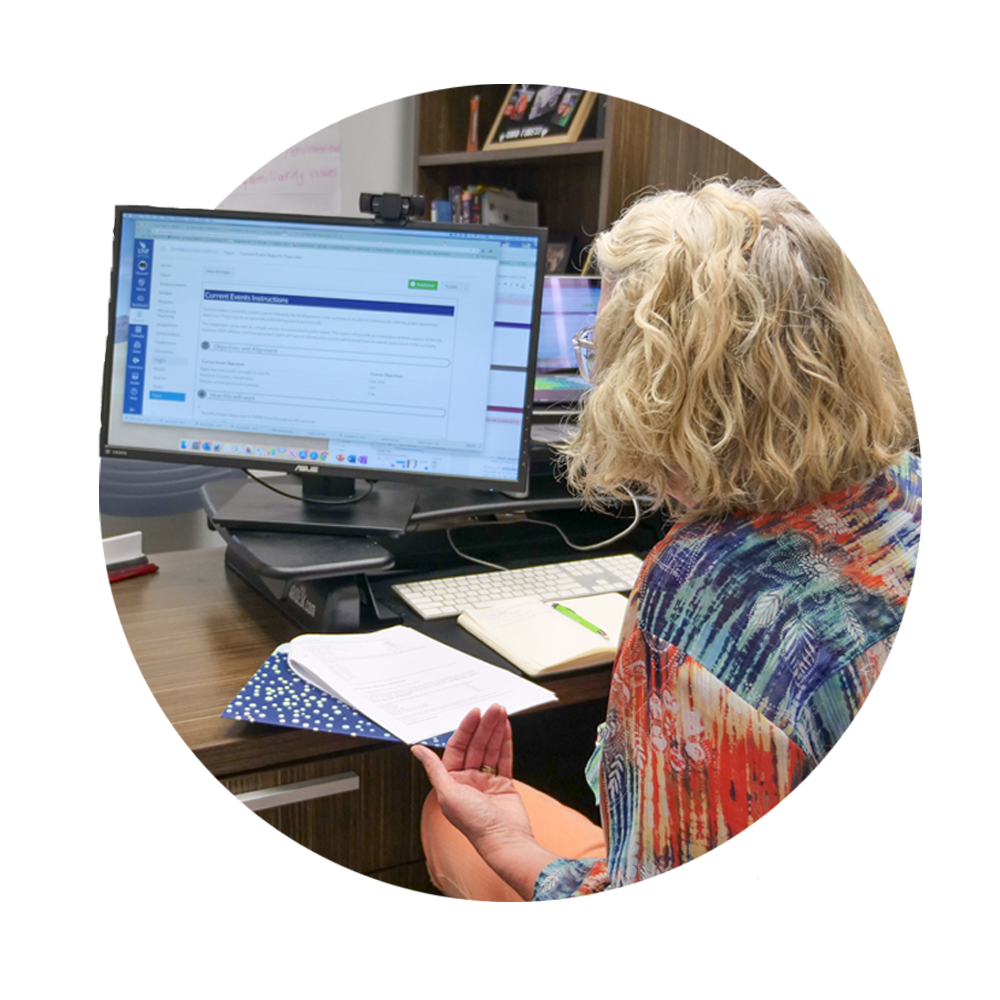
column 737, row 352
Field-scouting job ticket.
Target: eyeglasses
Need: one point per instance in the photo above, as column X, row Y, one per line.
column 583, row 344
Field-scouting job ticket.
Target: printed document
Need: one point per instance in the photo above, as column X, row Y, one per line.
column 410, row 684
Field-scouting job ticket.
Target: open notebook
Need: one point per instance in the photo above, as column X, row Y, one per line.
column 542, row 638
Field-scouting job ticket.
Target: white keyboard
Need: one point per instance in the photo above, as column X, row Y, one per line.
column 446, row 597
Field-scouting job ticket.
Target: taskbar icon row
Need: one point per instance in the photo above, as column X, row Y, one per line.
column 273, row 452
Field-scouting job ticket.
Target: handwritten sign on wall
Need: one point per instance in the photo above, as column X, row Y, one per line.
column 304, row 178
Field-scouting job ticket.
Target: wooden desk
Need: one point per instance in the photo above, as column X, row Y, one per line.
column 198, row 634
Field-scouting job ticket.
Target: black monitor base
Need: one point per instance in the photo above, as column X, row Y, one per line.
column 320, row 584
column 386, row 510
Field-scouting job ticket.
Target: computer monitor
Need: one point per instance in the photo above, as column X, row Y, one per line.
column 569, row 303
column 338, row 350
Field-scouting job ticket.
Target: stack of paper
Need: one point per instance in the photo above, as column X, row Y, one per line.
column 276, row 695
column 406, row 682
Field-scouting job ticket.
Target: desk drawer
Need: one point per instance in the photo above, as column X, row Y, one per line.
column 370, row 824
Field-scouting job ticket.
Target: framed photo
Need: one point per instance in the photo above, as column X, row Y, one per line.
column 536, row 114
column 557, row 256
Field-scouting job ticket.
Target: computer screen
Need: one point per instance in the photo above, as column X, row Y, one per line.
column 569, row 303
column 323, row 346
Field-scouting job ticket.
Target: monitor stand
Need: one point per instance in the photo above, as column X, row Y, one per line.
column 249, row 506
column 318, row 582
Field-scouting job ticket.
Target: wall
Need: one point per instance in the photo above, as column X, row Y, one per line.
column 377, row 152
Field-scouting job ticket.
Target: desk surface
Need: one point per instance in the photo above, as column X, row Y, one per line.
column 198, row 634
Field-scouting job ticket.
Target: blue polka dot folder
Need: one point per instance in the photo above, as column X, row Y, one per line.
column 278, row 696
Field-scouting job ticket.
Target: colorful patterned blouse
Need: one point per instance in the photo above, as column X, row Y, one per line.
column 750, row 646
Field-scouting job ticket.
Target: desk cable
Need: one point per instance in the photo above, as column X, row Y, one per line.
column 548, row 524
column 316, row 500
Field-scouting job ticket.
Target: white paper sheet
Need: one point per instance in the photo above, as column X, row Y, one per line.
column 408, row 683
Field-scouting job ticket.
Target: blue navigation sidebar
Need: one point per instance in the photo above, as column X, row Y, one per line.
column 142, row 271
column 135, row 367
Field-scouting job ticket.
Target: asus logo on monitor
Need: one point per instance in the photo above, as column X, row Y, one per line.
column 298, row 594
column 307, row 468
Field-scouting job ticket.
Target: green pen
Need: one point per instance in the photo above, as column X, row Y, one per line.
column 569, row 613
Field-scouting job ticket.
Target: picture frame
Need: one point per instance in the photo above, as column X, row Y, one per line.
column 557, row 254
column 536, row 114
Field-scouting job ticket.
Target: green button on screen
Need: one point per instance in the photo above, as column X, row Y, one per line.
column 429, row 285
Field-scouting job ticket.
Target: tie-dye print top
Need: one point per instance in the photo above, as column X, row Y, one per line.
column 750, row 646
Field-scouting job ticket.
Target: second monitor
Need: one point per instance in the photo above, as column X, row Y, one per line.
column 569, row 303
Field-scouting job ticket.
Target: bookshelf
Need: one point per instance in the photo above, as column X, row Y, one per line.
column 581, row 187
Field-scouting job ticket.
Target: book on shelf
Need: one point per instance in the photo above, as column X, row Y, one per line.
column 455, row 197
column 542, row 638
column 485, row 205
column 470, row 204
column 441, row 210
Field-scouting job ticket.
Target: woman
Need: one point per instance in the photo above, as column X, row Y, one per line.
column 742, row 375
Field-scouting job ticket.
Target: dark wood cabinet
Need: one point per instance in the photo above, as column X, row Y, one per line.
column 583, row 186
column 852, row 154
column 373, row 828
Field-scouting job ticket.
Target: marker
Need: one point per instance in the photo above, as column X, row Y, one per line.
column 562, row 609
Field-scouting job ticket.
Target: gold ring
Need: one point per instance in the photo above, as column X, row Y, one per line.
column 489, row 769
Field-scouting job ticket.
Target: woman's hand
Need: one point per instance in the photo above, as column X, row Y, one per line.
column 485, row 804
column 473, row 778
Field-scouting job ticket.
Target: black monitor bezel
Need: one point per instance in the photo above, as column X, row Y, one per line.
column 211, row 459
